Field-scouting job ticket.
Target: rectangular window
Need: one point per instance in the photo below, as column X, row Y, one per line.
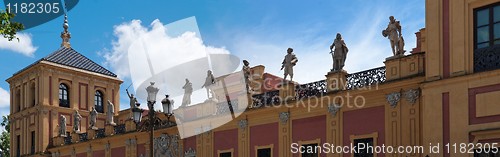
column 33, row 142
column 264, row 152
column 487, row 26
column 487, row 38
column 225, row 154
column 18, row 146
column 368, row 142
column 309, row 150
column 485, row 153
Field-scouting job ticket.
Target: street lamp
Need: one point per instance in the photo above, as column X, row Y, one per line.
column 137, row 114
column 152, row 91
column 167, row 107
column 167, row 104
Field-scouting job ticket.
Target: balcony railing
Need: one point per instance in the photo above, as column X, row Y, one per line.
column 487, row 58
column 120, row 129
column 223, row 107
column 317, row 88
column 67, row 139
column 100, row 133
column 264, row 99
column 365, row 78
column 84, row 137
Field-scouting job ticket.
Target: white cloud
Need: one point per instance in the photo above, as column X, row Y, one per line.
column 144, row 52
column 4, row 98
column 23, row 46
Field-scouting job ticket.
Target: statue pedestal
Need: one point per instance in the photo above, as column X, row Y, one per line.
column 109, row 129
column 91, row 133
column 287, row 90
column 401, row 66
column 130, row 125
column 336, row 80
column 58, row 141
column 75, row 137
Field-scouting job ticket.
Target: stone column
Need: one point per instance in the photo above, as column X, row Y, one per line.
column 244, row 138
column 285, row 138
column 336, row 80
column 333, row 127
column 287, row 90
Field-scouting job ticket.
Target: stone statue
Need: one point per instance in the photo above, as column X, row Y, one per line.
column 339, row 54
column 93, row 119
column 133, row 103
column 133, row 99
column 247, row 73
column 111, row 113
column 288, row 63
column 77, row 118
column 393, row 32
column 62, row 126
column 209, row 81
column 188, row 90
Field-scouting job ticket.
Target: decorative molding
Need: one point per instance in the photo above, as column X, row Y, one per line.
column 412, row 95
column 284, row 116
column 393, row 98
column 243, row 124
column 127, row 142
column 190, row 152
column 333, row 109
column 107, row 146
column 167, row 145
column 133, row 141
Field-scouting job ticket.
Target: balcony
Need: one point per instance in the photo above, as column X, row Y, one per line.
column 487, row 58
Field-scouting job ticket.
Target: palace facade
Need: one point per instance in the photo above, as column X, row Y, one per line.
column 445, row 91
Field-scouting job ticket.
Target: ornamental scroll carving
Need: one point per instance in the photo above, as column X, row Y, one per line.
column 393, row 98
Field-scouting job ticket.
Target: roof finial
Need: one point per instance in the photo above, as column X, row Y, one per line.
column 65, row 35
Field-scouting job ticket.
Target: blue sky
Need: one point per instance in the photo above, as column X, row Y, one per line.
column 256, row 30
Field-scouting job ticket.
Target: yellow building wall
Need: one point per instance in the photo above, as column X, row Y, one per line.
column 42, row 115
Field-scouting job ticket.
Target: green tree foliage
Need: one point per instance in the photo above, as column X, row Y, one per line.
column 8, row 28
column 5, row 137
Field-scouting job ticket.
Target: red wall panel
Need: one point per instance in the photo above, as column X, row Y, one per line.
column 261, row 135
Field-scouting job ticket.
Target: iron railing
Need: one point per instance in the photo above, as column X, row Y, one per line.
column 365, row 78
column 84, row 137
column 223, row 107
column 267, row 98
column 120, row 129
column 317, row 88
column 100, row 133
column 487, row 58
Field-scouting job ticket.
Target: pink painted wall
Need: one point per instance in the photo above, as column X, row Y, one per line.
column 226, row 139
column 310, row 128
column 364, row 121
column 265, row 134
column 81, row 155
column 190, row 143
column 99, row 153
column 141, row 149
column 118, row 152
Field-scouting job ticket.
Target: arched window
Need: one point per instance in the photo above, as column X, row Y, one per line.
column 63, row 95
column 99, row 101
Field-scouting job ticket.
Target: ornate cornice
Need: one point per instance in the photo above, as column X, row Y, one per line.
column 412, row 95
column 243, row 124
column 284, row 116
column 333, row 109
column 393, row 98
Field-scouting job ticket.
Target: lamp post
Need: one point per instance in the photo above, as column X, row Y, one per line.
column 167, row 104
column 152, row 91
